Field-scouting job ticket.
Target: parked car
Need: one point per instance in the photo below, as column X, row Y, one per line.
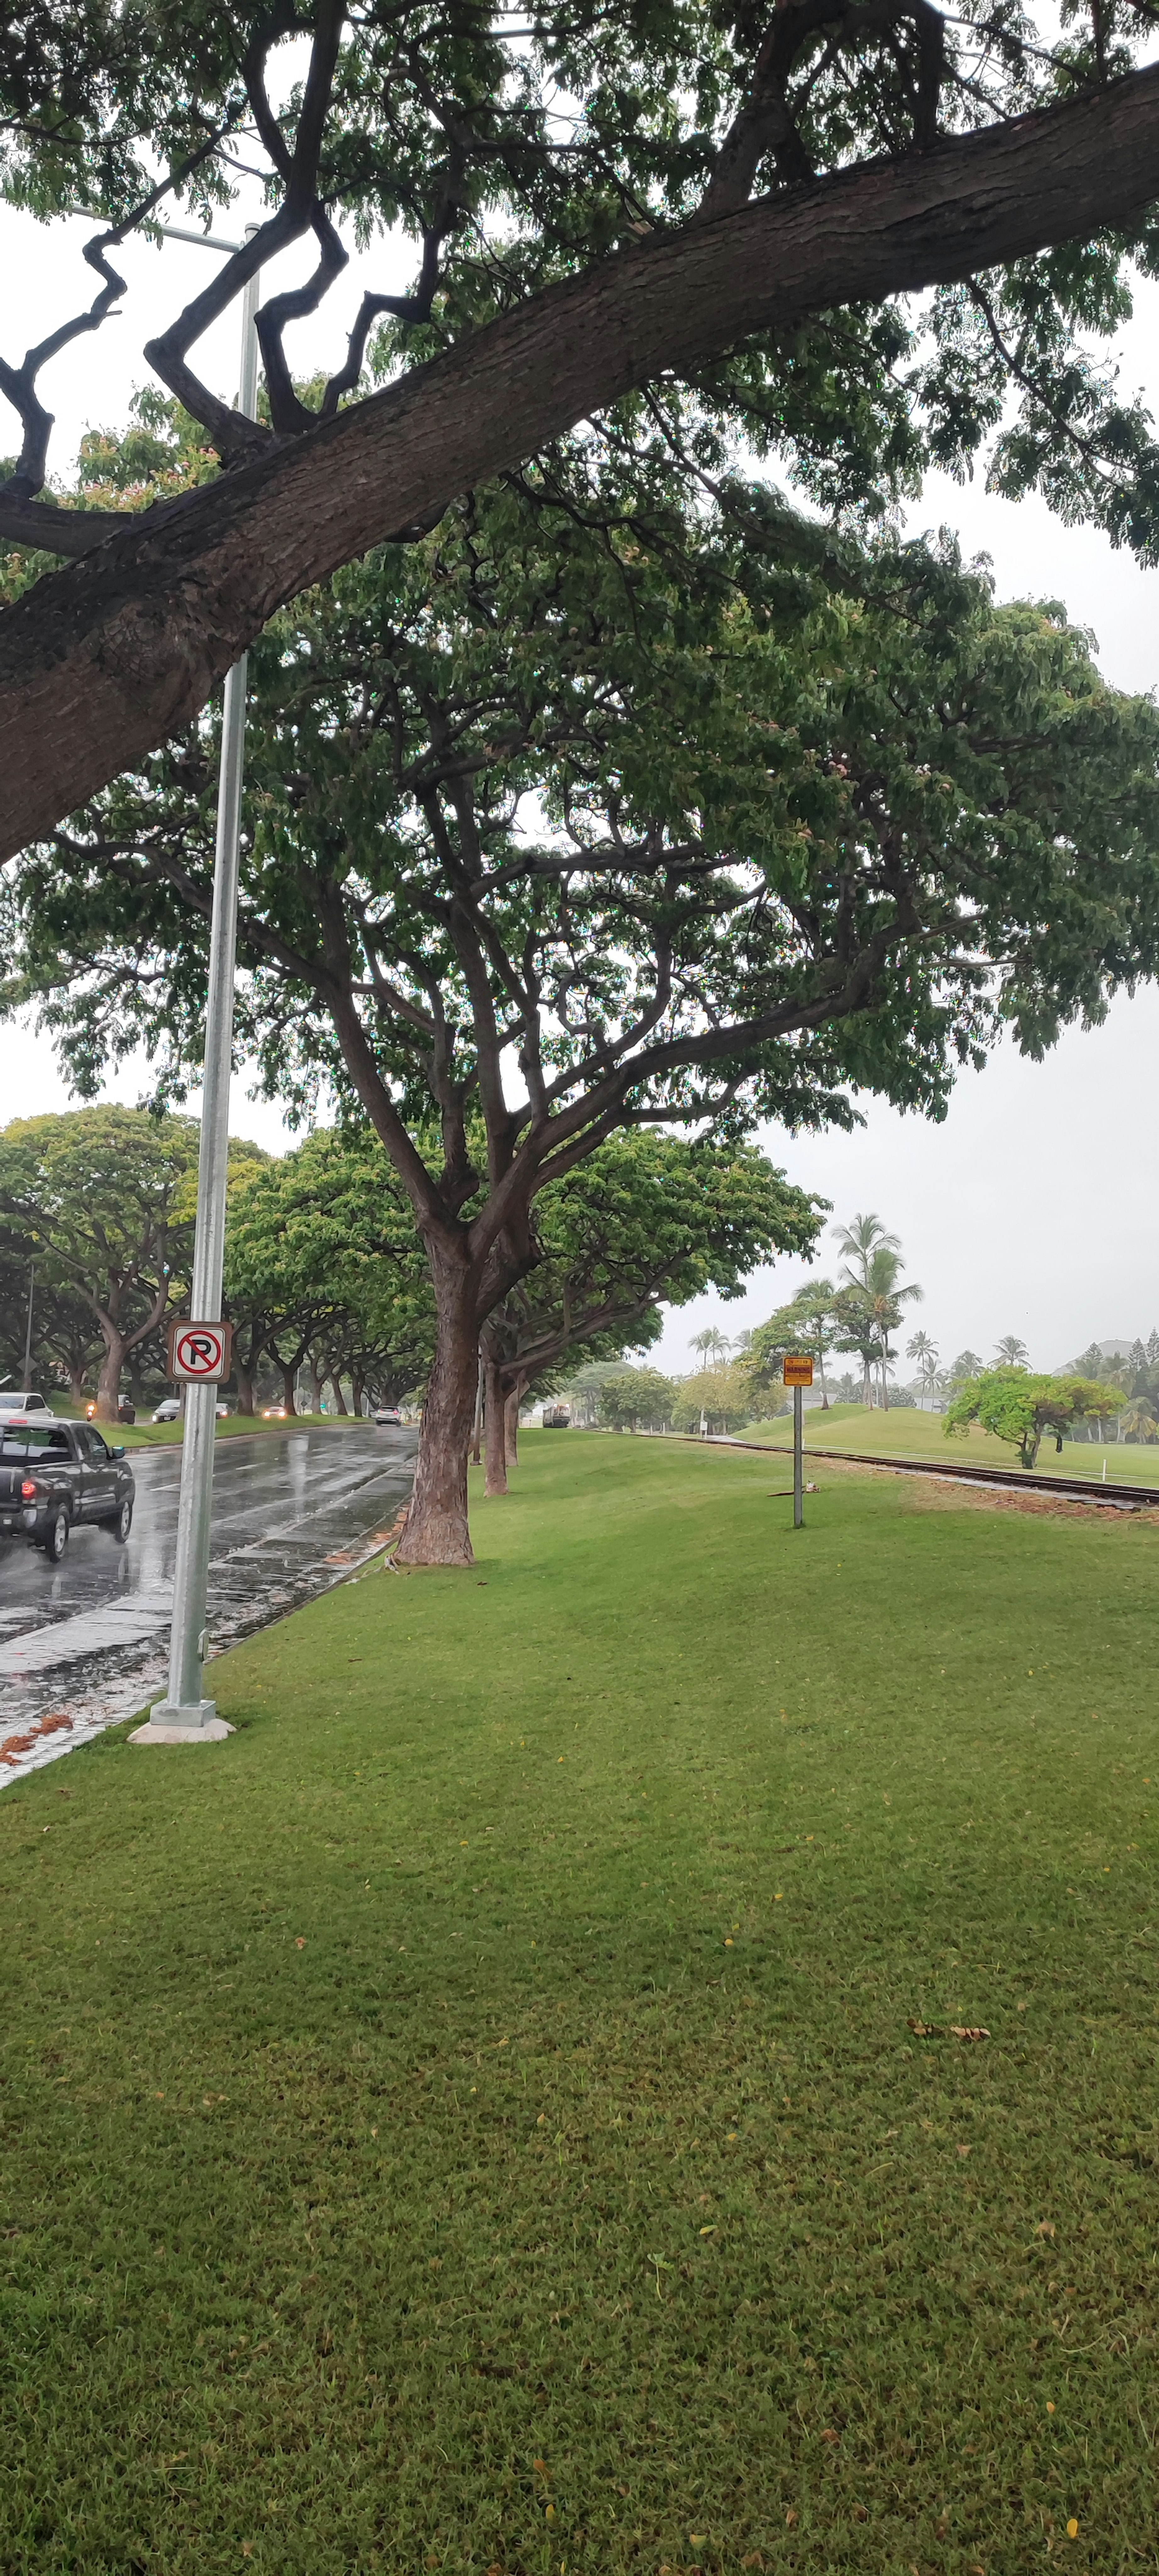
column 22, row 1403
column 54, row 1473
column 388, row 1413
column 557, row 1417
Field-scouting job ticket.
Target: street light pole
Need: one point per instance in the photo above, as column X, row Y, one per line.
column 185, row 1716
column 26, row 1380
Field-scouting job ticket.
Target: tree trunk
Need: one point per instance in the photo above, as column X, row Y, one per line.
column 340, row 1403
column 109, row 1381
column 245, row 1383
column 289, row 1378
column 511, row 1421
column 76, row 1383
column 436, row 1530
column 357, row 1391
column 496, row 1480
column 477, row 1441
column 317, row 1386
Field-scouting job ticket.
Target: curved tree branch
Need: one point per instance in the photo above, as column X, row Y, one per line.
column 101, row 662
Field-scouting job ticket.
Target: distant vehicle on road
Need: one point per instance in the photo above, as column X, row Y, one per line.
column 557, row 1417
column 169, row 1410
column 388, row 1413
column 27, row 1403
column 55, row 1473
column 274, row 1413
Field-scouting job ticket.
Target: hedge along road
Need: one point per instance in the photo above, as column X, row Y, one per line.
column 84, row 1642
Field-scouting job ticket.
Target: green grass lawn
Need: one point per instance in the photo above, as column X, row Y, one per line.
column 903, row 1432
column 472, row 2120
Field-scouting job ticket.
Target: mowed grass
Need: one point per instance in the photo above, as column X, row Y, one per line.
column 904, row 1432
column 472, row 2119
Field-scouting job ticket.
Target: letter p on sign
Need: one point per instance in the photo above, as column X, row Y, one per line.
column 199, row 1353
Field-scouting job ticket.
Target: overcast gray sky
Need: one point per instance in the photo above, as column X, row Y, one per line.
column 1034, row 1208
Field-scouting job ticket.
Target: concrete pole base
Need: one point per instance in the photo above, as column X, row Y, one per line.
column 168, row 1725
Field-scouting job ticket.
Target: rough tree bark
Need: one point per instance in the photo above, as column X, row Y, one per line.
column 436, row 1531
column 511, row 1406
column 496, row 1431
column 103, row 660
column 289, row 1378
column 109, row 1380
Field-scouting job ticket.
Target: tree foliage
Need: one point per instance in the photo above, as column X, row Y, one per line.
column 1020, row 1408
column 686, row 831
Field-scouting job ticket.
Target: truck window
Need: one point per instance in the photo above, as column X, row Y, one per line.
column 22, row 1442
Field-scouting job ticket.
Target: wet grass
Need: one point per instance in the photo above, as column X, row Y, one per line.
column 904, row 1432
column 473, row 2120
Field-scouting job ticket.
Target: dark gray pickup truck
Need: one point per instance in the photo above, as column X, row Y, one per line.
column 55, row 1473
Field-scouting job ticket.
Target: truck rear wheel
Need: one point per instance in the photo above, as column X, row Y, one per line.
column 55, row 1539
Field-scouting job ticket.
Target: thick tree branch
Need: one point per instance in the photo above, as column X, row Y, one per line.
column 102, row 661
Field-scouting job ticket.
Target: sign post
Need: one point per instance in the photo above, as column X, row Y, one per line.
column 798, row 1373
column 199, row 1352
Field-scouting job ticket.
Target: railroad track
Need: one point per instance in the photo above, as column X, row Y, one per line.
column 1081, row 1489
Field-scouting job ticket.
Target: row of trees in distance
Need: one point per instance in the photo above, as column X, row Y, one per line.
column 324, row 1268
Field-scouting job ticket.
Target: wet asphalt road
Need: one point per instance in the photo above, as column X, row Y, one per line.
column 87, row 1639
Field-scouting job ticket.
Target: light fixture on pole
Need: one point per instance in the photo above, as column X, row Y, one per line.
column 200, row 1349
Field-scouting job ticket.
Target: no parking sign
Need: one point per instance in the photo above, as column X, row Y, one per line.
column 199, row 1353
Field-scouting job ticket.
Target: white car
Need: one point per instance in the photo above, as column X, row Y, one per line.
column 388, row 1413
column 22, row 1403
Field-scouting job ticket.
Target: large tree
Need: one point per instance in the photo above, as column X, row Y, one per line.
column 106, row 1196
column 322, row 1260
column 721, row 208
column 575, row 817
column 647, row 1219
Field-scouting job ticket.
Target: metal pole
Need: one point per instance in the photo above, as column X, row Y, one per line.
column 26, row 1380
column 798, row 1482
column 185, row 1715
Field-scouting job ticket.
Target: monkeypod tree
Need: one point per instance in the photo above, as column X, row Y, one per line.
column 647, row 1218
column 579, row 816
column 722, row 209
column 322, row 1262
column 1016, row 1406
column 107, row 1197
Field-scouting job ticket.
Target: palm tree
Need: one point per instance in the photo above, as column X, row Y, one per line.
column 967, row 1365
column 859, row 1242
column 925, row 1352
column 1011, row 1353
column 712, row 1345
column 1139, row 1420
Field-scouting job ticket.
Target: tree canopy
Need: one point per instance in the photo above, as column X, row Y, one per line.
column 618, row 799
column 1018, row 1407
column 691, row 222
column 105, row 1198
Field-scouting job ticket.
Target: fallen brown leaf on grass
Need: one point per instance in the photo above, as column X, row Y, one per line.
column 791, row 2518
column 951, row 2030
column 1045, row 2227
